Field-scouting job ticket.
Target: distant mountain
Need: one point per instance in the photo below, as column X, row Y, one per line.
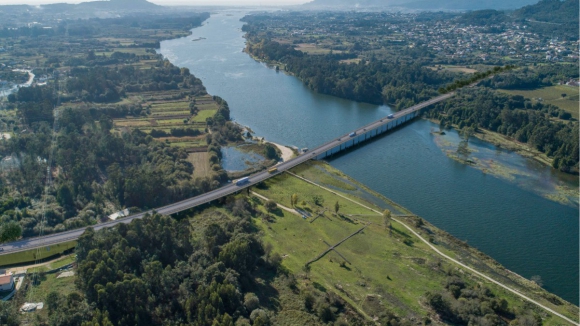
column 424, row 4
column 119, row 5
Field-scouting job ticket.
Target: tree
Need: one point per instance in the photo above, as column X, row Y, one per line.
column 270, row 152
column 294, row 199
column 318, row 200
column 10, row 231
column 53, row 301
column 270, row 205
column 8, row 314
column 64, row 196
column 387, row 218
column 467, row 132
column 336, row 207
column 251, row 301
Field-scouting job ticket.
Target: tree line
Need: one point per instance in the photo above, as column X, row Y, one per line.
column 474, row 78
column 396, row 83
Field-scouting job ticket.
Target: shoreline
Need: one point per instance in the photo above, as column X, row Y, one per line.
column 269, row 64
column 504, row 142
column 482, row 134
column 287, row 153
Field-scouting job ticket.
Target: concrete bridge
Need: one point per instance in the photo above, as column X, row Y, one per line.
column 375, row 128
column 332, row 147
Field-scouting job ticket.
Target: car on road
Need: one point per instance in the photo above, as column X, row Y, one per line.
column 242, row 181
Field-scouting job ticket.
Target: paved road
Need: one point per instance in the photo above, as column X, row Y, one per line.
column 52, row 239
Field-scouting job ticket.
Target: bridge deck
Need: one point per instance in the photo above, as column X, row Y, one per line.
column 38, row 242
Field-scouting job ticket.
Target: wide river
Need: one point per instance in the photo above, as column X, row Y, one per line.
column 505, row 215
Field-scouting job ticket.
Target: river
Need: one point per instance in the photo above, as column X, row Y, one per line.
column 505, row 215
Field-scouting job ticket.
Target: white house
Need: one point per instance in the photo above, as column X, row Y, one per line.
column 6, row 282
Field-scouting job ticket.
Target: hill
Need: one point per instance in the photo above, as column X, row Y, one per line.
column 453, row 5
column 552, row 17
column 119, row 5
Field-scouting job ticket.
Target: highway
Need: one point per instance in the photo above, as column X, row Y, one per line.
column 39, row 242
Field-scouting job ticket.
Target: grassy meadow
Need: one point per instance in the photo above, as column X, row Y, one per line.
column 378, row 268
column 553, row 95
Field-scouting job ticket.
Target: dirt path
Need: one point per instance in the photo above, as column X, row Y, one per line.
column 447, row 257
column 287, row 153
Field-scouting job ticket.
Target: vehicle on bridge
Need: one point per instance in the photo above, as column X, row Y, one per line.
column 273, row 170
column 390, row 116
column 242, row 181
column 352, row 134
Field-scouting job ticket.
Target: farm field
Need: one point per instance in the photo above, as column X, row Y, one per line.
column 553, row 95
column 452, row 68
column 165, row 115
column 200, row 163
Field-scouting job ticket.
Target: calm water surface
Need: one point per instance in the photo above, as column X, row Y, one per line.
column 235, row 159
column 505, row 218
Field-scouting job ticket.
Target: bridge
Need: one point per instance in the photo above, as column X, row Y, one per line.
column 332, row 147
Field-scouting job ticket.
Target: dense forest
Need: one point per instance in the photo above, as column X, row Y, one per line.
column 397, row 83
column 515, row 117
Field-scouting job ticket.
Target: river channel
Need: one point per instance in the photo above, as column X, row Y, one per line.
column 506, row 215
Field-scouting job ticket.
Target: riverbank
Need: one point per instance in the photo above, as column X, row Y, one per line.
column 506, row 159
column 407, row 165
column 507, row 143
column 287, row 153
column 412, row 260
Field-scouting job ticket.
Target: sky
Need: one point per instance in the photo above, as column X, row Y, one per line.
column 174, row 2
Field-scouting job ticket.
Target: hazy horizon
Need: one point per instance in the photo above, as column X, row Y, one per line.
column 173, row 2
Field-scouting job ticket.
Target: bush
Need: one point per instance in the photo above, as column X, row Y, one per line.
column 260, row 317
column 270, row 205
column 251, row 301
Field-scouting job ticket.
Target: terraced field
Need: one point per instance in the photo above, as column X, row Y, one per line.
column 165, row 114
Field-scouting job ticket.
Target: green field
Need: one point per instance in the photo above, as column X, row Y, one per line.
column 188, row 144
column 30, row 256
column 453, row 68
column 207, row 106
column 54, row 264
column 203, row 115
column 48, row 283
column 170, row 106
column 157, row 113
column 394, row 268
column 553, row 95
